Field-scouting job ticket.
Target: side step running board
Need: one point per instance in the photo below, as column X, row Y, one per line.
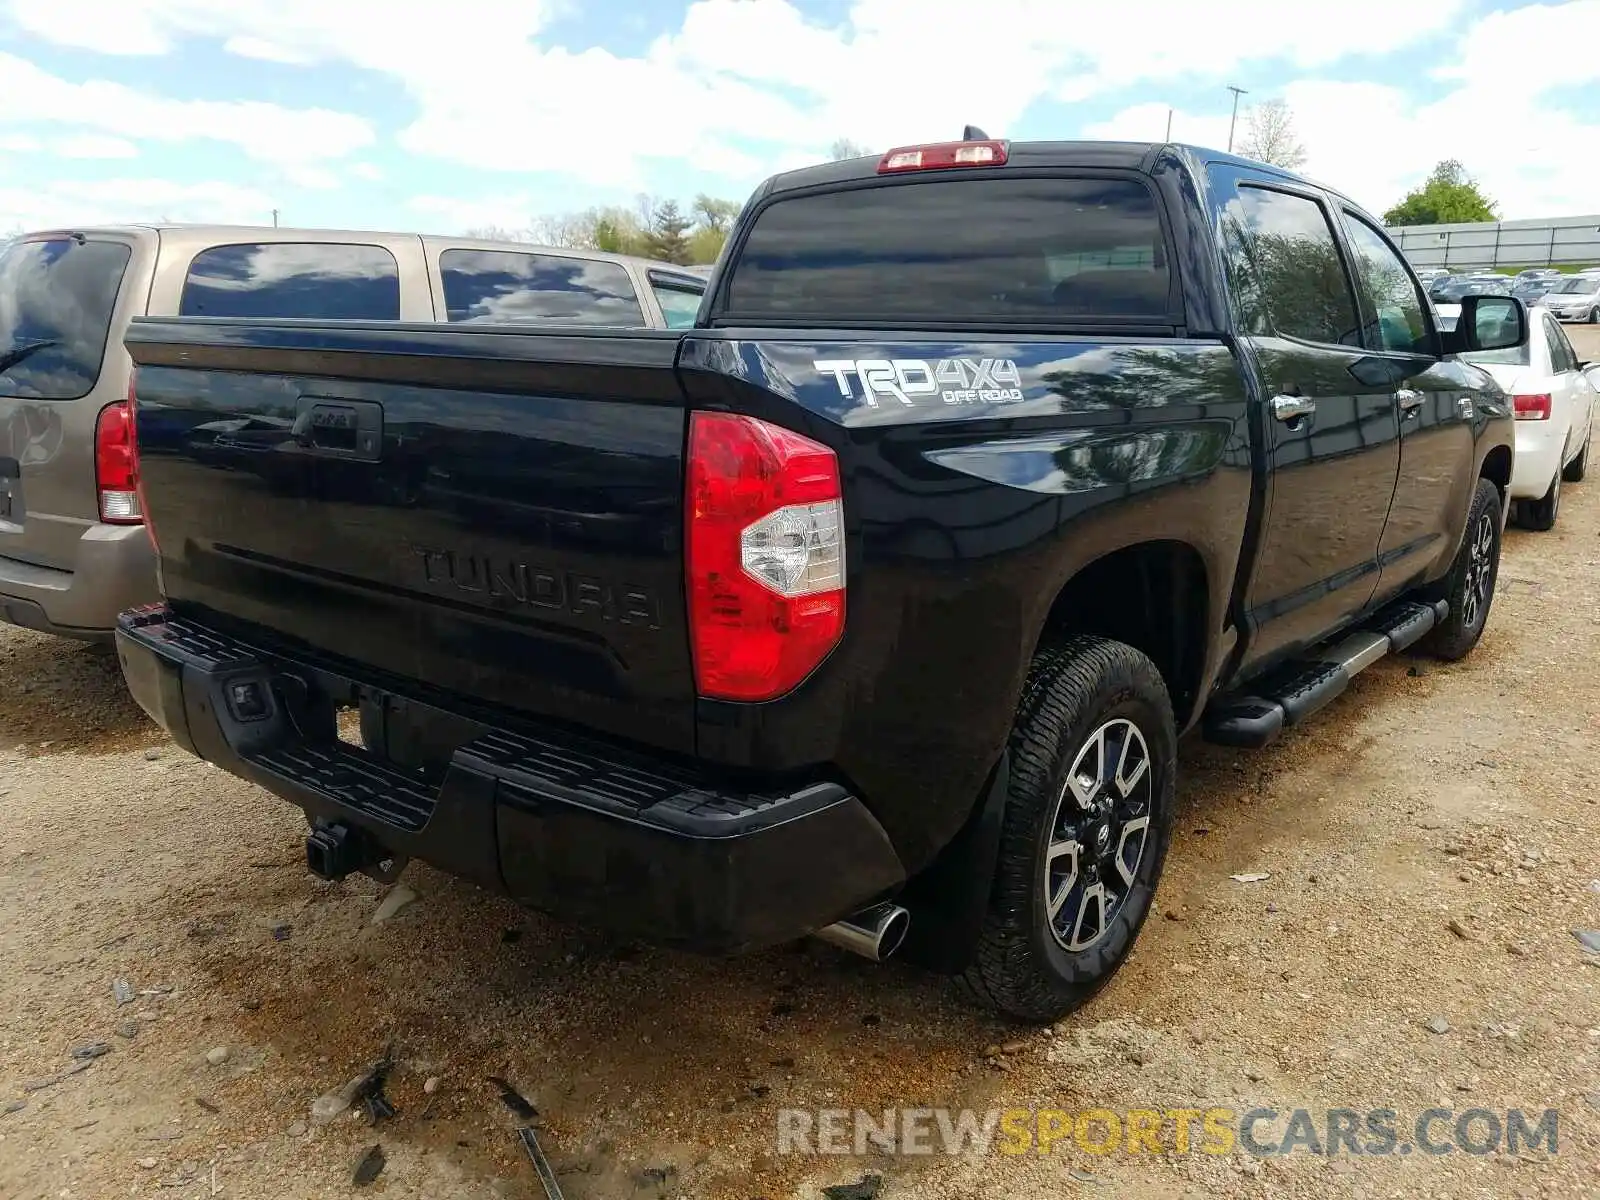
column 1292, row 692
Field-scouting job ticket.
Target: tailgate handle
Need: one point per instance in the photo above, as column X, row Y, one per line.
column 339, row 428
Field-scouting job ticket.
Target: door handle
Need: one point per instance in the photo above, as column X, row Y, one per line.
column 339, row 428
column 1410, row 400
column 1292, row 408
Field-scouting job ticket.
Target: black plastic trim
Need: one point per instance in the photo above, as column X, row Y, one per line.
column 608, row 834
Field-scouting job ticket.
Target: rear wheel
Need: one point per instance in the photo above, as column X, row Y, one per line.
column 1541, row 514
column 1470, row 585
column 1574, row 471
column 1087, row 820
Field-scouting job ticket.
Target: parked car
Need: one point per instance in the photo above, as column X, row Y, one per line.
column 1575, row 298
column 1532, row 291
column 72, row 555
column 1537, row 273
column 1554, row 405
column 874, row 604
column 1446, row 295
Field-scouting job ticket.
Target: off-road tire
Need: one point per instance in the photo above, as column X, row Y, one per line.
column 1469, row 587
column 1074, row 689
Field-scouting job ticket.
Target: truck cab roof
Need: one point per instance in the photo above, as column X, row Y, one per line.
column 1104, row 155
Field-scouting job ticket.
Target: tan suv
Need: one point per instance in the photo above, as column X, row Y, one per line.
column 73, row 553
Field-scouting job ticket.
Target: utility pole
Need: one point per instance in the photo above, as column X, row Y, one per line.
column 1234, row 120
column 275, row 212
column 1169, row 124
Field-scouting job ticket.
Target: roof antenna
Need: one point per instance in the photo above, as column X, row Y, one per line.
column 972, row 133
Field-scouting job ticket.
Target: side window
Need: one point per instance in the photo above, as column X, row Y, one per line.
column 1286, row 271
column 1389, row 290
column 513, row 286
column 680, row 305
column 327, row 281
column 1562, row 357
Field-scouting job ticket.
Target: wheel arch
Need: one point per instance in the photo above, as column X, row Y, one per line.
column 1153, row 595
column 1496, row 468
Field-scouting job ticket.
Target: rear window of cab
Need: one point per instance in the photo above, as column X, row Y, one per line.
column 1026, row 249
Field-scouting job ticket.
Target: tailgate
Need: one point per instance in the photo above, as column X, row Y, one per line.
column 493, row 512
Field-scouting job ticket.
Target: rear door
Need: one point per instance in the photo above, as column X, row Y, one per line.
column 1575, row 389
column 61, row 297
column 1330, row 423
column 1433, row 493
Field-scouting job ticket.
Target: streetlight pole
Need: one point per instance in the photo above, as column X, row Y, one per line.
column 274, row 218
column 1234, row 120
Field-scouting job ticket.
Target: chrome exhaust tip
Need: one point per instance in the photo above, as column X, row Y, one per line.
column 875, row 932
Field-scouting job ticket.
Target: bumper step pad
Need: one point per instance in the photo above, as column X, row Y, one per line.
column 611, row 835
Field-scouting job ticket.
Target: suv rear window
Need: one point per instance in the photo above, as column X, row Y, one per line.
column 508, row 285
column 1023, row 249
column 56, row 298
column 328, row 281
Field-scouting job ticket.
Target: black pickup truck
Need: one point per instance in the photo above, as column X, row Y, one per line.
column 871, row 606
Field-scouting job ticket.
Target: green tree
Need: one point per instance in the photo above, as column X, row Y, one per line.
column 705, row 243
column 712, row 213
column 1449, row 195
column 668, row 239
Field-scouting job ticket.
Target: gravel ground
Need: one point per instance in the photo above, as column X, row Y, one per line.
column 1430, row 842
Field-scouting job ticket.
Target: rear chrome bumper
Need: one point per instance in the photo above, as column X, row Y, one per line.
column 595, row 832
column 113, row 568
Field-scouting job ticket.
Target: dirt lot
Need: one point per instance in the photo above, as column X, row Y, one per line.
column 1431, row 842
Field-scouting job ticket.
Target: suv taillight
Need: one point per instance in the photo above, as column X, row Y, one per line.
column 116, row 465
column 1531, row 408
column 765, row 556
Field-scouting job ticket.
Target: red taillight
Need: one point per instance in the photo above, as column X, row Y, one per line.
column 765, row 556
column 941, row 155
column 116, row 465
column 1531, row 408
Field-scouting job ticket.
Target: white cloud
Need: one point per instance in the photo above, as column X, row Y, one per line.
column 1533, row 38
column 93, row 145
column 742, row 83
column 744, row 86
column 454, row 214
column 1518, row 147
column 129, row 200
column 264, row 131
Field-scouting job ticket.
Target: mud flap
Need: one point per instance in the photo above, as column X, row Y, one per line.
column 948, row 901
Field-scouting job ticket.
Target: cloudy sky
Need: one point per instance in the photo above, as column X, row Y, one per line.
column 444, row 116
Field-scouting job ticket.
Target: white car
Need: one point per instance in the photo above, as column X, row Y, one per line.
column 1554, row 404
column 1576, row 298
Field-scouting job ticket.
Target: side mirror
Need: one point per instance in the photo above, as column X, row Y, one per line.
column 1488, row 323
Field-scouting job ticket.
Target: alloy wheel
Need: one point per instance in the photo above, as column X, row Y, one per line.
column 1098, row 834
column 1480, row 569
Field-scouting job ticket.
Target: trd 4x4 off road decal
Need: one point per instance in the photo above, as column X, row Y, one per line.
column 908, row 380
